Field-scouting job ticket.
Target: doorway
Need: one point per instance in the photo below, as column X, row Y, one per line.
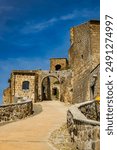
column 50, row 88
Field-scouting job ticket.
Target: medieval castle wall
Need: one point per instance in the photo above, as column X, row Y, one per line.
column 84, row 57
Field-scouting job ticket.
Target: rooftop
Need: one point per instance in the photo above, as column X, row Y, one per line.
column 92, row 21
column 58, row 58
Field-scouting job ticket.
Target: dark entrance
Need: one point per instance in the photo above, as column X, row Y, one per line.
column 46, row 89
column 92, row 91
column 54, row 91
column 50, row 88
column 58, row 67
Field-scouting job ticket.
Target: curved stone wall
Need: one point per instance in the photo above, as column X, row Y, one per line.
column 84, row 132
column 91, row 110
column 16, row 111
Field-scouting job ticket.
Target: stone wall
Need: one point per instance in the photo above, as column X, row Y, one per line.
column 16, row 86
column 36, row 79
column 63, row 62
column 66, row 87
column 62, row 80
column 91, row 110
column 84, row 56
column 14, row 112
column 28, row 93
column 16, row 92
column 7, row 95
column 95, row 82
column 95, row 43
column 84, row 132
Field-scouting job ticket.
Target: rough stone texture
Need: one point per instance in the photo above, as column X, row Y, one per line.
column 19, row 92
column 14, row 112
column 66, row 87
column 84, row 59
column 40, row 83
column 7, row 95
column 91, row 110
column 84, row 132
column 63, row 62
column 16, row 81
column 51, row 88
column 61, row 139
column 95, row 81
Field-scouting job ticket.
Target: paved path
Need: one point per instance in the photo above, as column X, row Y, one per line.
column 33, row 133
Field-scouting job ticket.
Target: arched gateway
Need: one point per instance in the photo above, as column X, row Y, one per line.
column 50, row 88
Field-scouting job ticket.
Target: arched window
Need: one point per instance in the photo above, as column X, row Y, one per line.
column 58, row 67
column 25, row 85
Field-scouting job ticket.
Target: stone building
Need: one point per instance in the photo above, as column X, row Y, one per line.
column 84, row 60
column 37, row 85
column 71, row 80
column 58, row 64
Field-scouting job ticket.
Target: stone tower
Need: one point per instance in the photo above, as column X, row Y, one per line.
column 84, row 60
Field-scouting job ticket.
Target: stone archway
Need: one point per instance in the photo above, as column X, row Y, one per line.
column 50, row 88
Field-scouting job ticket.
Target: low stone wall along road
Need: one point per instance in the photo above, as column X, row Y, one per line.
column 33, row 133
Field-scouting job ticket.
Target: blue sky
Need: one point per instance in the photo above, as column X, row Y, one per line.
column 32, row 31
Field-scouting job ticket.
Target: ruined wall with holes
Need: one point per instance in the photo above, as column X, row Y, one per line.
column 84, row 57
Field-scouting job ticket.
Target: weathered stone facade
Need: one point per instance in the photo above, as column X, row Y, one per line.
column 17, row 81
column 58, row 64
column 95, row 82
column 37, row 85
column 7, row 95
column 66, row 87
column 84, row 57
column 74, row 80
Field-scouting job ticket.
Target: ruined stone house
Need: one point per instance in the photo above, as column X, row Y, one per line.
column 73, row 80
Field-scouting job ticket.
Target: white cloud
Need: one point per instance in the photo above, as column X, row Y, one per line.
column 45, row 24
column 86, row 13
column 36, row 27
column 69, row 16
